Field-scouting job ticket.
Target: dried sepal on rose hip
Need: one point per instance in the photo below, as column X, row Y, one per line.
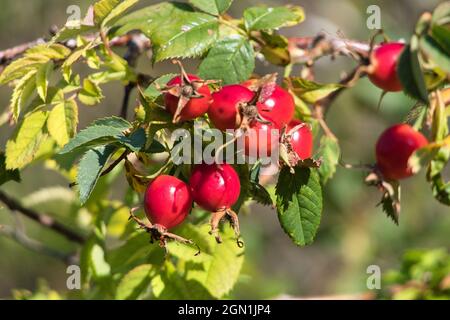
column 186, row 96
column 216, row 188
column 296, row 145
column 167, row 203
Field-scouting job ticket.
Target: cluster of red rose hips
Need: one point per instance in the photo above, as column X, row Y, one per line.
column 258, row 105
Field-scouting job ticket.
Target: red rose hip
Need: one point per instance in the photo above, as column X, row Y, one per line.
column 224, row 110
column 394, row 148
column 167, row 201
column 300, row 138
column 384, row 60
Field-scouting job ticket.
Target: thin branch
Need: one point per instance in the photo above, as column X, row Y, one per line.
column 33, row 245
column 42, row 219
column 115, row 163
column 309, row 49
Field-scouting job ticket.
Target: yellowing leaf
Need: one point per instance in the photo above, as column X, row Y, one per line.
column 22, row 148
column 42, row 79
column 22, row 92
column 62, row 122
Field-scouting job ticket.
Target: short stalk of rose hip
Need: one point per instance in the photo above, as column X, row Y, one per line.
column 394, row 148
column 167, row 203
column 384, row 62
column 216, row 188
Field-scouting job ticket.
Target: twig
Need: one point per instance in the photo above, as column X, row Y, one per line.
column 42, row 219
column 115, row 163
column 31, row 244
column 307, row 49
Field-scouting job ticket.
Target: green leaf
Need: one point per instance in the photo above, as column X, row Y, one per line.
column 299, row 204
column 266, row 18
column 218, row 266
column 22, row 92
column 135, row 142
column 186, row 33
column 441, row 35
column 107, row 129
column 100, row 267
column 214, row 7
column 310, row 91
column 152, row 92
column 42, row 78
column 134, row 283
column 62, row 122
column 435, row 52
column 102, row 9
column 117, row 11
column 410, row 74
column 90, row 169
column 91, row 94
column 329, row 152
column 441, row 15
column 275, row 49
column 72, row 32
column 231, row 60
column 5, row 174
column 32, row 60
column 22, row 147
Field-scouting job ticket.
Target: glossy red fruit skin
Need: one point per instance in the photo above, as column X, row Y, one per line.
column 393, row 149
column 301, row 139
column 167, row 201
column 254, row 142
column 279, row 107
column 215, row 187
column 196, row 107
column 385, row 59
column 223, row 111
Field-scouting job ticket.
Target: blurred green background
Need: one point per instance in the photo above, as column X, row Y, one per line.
column 354, row 233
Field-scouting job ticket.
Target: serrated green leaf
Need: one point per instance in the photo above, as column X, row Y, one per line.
column 22, row 92
column 218, row 266
column 135, row 142
column 71, row 32
column 231, row 60
column 19, row 68
column 186, row 33
column 134, row 283
column 299, row 204
column 170, row 285
column 91, row 94
column 5, row 174
column 42, row 78
column 214, row 7
column 22, row 147
column 106, row 130
column 410, row 74
column 102, row 9
column 90, row 168
column 63, row 121
column 117, row 11
column 152, row 92
column 329, row 152
column 266, row 18
column 310, row 91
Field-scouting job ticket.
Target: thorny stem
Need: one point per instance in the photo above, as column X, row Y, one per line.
column 44, row 220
